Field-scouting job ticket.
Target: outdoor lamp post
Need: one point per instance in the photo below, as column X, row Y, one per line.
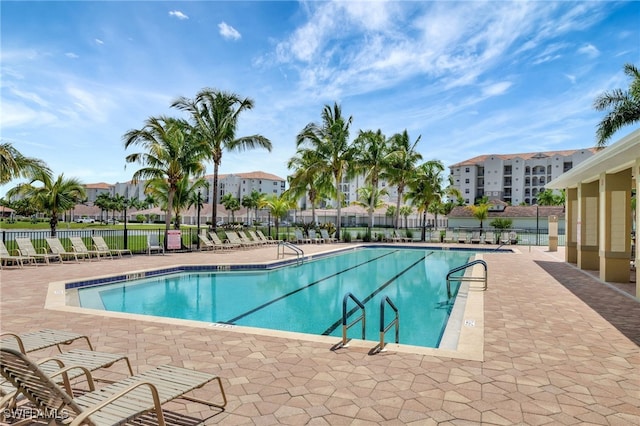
column 126, row 203
column 199, row 202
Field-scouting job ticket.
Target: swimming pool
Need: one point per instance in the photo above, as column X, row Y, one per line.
column 305, row 299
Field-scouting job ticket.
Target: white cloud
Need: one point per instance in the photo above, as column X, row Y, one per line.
column 17, row 114
column 571, row 78
column 589, row 50
column 228, row 32
column 98, row 41
column 71, row 55
column 178, row 14
column 496, row 89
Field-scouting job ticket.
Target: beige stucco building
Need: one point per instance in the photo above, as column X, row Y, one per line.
column 600, row 220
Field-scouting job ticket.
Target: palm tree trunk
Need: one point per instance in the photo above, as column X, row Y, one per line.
column 338, row 211
column 397, row 221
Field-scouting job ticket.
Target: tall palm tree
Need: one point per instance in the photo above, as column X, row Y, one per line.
column 214, row 118
column 370, row 197
column 480, row 212
column 330, row 141
column 13, row 164
column 52, row 197
column 426, row 188
column 308, row 180
column 623, row 107
column 185, row 192
column 372, row 159
column 172, row 154
column 403, row 159
column 279, row 207
column 230, row 203
column 252, row 202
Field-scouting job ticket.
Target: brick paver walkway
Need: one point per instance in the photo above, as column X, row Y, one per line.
column 559, row 348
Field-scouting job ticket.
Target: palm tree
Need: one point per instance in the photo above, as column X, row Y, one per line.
column 214, row 119
column 13, row 164
column 102, row 201
column 172, row 154
column 330, row 141
column 403, row 159
column 185, row 191
column 52, row 197
column 405, row 211
column 426, row 188
column 252, row 201
column 372, row 159
column 278, row 206
column 480, row 212
column 230, row 203
column 308, row 180
column 370, row 197
column 623, row 107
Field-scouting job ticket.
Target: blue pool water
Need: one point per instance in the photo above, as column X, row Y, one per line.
column 306, row 298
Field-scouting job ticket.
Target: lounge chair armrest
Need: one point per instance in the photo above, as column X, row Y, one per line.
column 154, row 393
column 15, row 336
column 43, row 250
column 63, row 372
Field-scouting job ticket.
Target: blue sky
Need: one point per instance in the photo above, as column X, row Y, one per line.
column 470, row 77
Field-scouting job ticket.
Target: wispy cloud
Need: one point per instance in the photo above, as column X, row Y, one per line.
column 71, row 55
column 228, row 32
column 590, row 50
column 178, row 14
column 98, row 41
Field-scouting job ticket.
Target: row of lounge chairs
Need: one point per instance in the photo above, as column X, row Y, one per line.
column 234, row 240
column 313, row 237
column 27, row 253
column 476, row 237
column 46, row 383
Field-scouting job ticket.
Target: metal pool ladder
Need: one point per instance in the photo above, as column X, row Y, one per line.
column 345, row 314
column 482, row 279
column 384, row 328
column 282, row 245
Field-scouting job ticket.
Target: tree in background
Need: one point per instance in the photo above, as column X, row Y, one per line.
column 53, row 197
column 549, row 198
column 172, row 154
column 371, row 158
column 278, row 207
column 622, row 106
column 330, row 141
column 480, row 212
column 251, row 202
column 403, row 159
column 231, row 203
column 309, row 179
column 214, row 118
column 425, row 189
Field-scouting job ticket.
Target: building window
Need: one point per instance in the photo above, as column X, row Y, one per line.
column 466, row 170
column 466, row 181
column 466, row 191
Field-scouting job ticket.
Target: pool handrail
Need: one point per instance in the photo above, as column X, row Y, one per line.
column 345, row 314
column 482, row 279
column 296, row 250
column 396, row 321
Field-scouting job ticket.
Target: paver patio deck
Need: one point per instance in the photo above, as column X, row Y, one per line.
column 559, row 348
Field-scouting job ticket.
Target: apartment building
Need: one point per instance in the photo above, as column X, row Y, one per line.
column 513, row 178
column 238, row 184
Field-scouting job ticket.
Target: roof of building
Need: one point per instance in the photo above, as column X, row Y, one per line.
column 250, row 175
column 511, row 212
column 100, row 185
column 525, row 156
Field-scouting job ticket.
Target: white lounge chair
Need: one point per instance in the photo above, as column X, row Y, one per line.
column 18, row 259
column 325, row 235
column 81, row 249
column 116, row 403
column 101, row 246
column 206, row 243
column 26, row 249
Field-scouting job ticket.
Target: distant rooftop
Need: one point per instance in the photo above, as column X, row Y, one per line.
column 524, row 156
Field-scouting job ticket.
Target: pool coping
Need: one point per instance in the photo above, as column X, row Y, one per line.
column 465, row 328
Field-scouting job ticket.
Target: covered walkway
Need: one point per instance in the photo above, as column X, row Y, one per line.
column 599, row 213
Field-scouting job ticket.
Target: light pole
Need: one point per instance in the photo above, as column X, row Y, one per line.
column 199, row 202
column 537, row 226
column 126, row 203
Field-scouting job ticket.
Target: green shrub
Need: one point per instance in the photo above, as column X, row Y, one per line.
column 346, row 236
